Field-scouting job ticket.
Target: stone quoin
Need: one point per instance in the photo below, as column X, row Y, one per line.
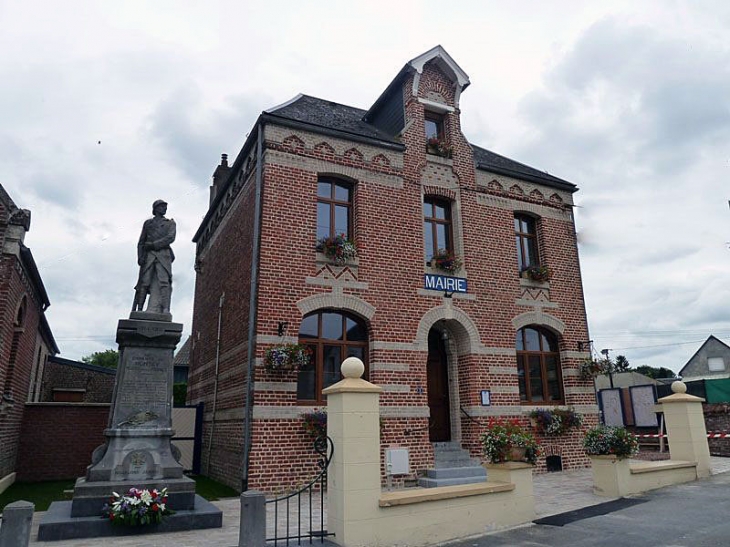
column 385, row 235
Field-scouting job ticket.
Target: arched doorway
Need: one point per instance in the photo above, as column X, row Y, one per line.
column 437, row 377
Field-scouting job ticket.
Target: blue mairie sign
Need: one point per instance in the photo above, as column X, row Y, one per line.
column 444, row 283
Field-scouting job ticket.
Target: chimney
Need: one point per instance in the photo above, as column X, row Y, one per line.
column 219, row 177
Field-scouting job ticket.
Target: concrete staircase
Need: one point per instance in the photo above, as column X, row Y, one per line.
column 452, row 465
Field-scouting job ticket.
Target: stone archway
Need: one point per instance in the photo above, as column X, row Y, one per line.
column 458, row 336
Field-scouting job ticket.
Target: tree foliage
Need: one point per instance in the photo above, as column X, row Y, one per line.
column 621, row 364
column 108, row 358
column 655, row 372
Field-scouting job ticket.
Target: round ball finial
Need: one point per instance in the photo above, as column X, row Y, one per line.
column 352, row 367
column 679, row 387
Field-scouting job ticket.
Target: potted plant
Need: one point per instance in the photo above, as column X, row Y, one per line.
column 287, row 357
column 537, row 273
column 506, row 440
column 590, row 368
column 137, row 507
column 555, row 421
column 315, row 423
column 438, row 147
column 604, row 440
column 337, row 248
column 446, row 261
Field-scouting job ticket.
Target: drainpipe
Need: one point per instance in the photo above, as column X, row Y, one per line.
column 253, row 302
column 215, row 383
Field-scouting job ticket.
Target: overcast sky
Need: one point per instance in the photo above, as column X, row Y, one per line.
column 107, row 106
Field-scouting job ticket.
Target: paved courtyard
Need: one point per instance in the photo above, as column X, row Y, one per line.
column 555, row 493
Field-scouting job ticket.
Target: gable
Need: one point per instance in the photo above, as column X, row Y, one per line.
column 711, row 359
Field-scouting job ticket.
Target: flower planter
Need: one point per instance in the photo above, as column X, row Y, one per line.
column 516, row 454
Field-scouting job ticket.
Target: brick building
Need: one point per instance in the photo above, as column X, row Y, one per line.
column 67, row 381
column 25, row 337
column 440, row 332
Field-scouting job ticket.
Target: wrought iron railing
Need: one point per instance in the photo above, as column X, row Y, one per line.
column 290, row 505
column 471, row 418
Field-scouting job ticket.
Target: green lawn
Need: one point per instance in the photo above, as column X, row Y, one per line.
column 43, row 493
column 212, row 490
column 40, row 493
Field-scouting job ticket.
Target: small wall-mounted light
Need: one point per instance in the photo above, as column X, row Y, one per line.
column 448, row 294
column 281, row 328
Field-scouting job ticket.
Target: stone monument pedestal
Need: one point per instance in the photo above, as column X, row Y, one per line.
column 138, row 451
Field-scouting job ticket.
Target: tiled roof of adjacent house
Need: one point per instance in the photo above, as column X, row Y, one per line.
column 182, row 357
column 340, row 118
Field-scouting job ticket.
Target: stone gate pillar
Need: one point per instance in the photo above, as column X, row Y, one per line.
column 353, row 477
column 686, row 430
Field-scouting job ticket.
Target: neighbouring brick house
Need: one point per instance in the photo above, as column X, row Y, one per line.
column 25, row 337
column 67, row 381
column 401, row 181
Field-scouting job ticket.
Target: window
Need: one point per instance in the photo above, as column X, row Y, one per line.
column 538, row 366
column 436, row 226
column 526, row 239
column 434, row 125
column 334, row 208
column 715, row 364
column 333, row 337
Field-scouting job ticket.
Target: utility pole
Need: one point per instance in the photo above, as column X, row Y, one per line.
column 604, row 352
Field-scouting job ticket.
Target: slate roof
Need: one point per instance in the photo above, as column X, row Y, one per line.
column 329, row 115
column 182, row 357
column 339, row 118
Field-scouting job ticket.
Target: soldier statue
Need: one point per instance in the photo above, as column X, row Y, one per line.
column 155, row 257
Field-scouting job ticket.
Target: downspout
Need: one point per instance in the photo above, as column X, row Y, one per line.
column 215, row 383
column 253, row 302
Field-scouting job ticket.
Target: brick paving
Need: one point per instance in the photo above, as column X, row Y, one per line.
column 555, row 493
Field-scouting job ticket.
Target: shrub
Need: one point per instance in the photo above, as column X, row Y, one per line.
column 287, row 357
column 315, row 422
column 614, row 441
column 538, row 273
column 502, row 436
column 555, row 421
column 446, row 261
column 339, row 249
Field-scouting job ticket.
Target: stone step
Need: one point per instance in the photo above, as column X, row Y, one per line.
column 440, row 463
column 456, row 472
column 451, row 454
column 433, row 483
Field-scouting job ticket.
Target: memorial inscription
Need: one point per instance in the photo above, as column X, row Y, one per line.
column 143, row 394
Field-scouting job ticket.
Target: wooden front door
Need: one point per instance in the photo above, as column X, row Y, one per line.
column 438, row 389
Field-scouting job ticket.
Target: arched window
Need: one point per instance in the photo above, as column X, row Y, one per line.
column 437, row 233
column 333, row 336
column 538, row 366
column 334, row 208
column 526, row 239
column 20, row 316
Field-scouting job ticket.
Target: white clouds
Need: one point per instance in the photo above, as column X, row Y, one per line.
column 640, row 117
column 628, row 100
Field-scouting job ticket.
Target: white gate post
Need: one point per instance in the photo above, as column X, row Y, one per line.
column 686, row 430
column 353, row 479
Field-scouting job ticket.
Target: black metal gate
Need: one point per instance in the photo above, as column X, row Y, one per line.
column 304, row 523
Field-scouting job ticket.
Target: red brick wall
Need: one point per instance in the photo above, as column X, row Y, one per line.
column 224, row 267
column 13, row 288
column 58, row 438
column 389, row 234
column 99, row 386
column 717, row 420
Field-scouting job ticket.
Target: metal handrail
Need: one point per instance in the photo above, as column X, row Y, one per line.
column 472, row 418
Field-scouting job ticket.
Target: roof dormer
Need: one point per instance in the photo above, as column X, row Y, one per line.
column 387, row 112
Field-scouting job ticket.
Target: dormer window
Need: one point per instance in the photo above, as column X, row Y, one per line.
column 434, row 126
column 436, row 141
